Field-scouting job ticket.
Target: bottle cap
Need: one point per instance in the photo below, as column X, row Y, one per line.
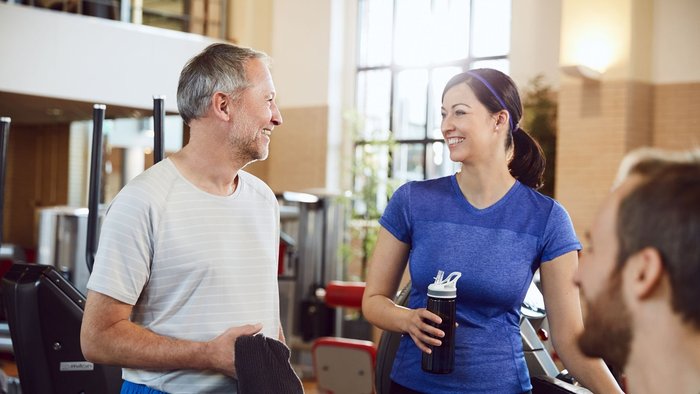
column 444, row 288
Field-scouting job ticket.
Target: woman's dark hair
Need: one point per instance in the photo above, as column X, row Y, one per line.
column 497, row 92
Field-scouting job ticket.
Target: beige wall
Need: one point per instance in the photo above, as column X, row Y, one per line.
column 676, row 27
column 595, row 34
column 297, row 151
column 249, row 22
column 613, row 37
column 647, row 40
column 631, row 105
column 535, row 36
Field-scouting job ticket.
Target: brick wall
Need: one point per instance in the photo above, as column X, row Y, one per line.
column 597, row 124
column 600, row 122
column 677, row 116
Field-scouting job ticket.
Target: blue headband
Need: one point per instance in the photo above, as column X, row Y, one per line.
column 500, row 101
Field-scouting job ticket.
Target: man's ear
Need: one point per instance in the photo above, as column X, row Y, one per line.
column 221, row 104
column 647, row 270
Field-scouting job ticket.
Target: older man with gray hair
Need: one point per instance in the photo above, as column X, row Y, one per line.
column 187, row 260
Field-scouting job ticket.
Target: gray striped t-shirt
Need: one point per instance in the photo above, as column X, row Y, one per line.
column 193, row 264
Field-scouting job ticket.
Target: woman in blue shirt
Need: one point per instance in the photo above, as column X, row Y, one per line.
column 489, row 223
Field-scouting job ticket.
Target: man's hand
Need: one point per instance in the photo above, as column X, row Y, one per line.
column 222, row 351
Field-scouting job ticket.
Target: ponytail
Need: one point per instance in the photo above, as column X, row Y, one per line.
column 528, row 162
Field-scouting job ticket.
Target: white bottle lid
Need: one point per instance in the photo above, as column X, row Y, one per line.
column 444, row 288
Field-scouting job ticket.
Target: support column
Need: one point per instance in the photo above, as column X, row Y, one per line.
column 601, row 120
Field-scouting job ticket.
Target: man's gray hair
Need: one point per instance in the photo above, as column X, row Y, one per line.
column 219, row 68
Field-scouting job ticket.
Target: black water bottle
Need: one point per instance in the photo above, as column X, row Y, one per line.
column 442, row 295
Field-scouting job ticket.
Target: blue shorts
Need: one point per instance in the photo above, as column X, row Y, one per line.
column 135, row 388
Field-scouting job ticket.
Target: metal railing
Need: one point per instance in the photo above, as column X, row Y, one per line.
column 205, row 17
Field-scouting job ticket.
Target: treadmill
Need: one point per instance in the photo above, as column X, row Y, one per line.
column 45, row 311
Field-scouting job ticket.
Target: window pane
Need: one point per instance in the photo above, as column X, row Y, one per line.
column 371, row 179
column 408, row 162
column 439, row 78
column 450, row 39
column 373, row 103
column 438, row 161
column 168, row 14
column 502, row 65
column 412, row 33
column 409, row 44
column 492, row 21
column 376, row 18
column 410, row 95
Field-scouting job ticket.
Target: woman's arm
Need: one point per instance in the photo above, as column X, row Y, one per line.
column 383, row 278
column 561, row 299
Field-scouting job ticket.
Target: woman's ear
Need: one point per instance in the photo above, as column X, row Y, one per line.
column 501, row 119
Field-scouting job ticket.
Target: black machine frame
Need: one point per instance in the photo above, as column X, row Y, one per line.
column 44, row 310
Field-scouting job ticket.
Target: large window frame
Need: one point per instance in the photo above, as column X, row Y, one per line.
column 386, row 145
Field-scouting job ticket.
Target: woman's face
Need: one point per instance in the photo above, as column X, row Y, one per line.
column 471, row 132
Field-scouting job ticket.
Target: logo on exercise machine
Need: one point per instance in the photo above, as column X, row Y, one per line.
column 77, row 366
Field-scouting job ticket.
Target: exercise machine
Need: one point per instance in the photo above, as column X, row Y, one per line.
column 344, row 365
column 45, row 310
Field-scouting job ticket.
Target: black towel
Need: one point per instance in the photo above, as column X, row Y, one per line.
column 262, row 365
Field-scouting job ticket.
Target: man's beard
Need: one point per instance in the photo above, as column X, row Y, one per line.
column 251, row 151
column 248, row 150
column 608, row 326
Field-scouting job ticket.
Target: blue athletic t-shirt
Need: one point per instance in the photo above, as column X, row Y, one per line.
column 497, row 250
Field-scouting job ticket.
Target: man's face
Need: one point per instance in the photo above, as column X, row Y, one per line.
column 608, row 327
column 255, row 114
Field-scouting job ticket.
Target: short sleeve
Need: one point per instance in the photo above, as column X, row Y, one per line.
column 124, row 254
column 396, row 217
column 559, row 236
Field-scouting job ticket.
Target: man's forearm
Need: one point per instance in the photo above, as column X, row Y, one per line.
column 129, row 345
column 107, row 336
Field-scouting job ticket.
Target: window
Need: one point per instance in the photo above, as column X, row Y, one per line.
column 407, row 51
